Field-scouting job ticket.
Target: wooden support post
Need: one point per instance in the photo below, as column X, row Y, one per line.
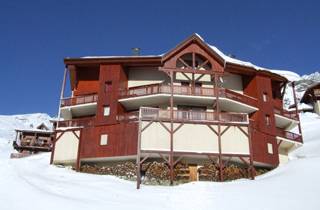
column 171, row 129
column 62, row 93
column 78, row 164
column 138, row 152
column 252, row 170
column 219, row 126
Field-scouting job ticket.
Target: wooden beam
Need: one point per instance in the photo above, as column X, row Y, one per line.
column 145, row 127
column 209, row 71
column 243, row 131
column 179, row 158
column 177, row 128
column 279, row 143
column 225, row 130
column 165, row 127
column 186, row 76
column 211, row 128
column 78, row 137
column 144, row 159
column 164, row 158
column 243, row 160
column 184, row 63
column 199, row 77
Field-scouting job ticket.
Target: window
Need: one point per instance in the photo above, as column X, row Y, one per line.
column 265, row 97
column 270, row 148
column 267, row 118
column 104, row 139
column 108, row 86
column 106, row 110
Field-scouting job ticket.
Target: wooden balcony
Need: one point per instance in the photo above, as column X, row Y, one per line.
column 78, row 100
column 288, row 114
column 187, row 90
column 157, row 114
column 289, row 135
column 81, row 122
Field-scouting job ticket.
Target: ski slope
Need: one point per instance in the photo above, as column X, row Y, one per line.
column 31, row 183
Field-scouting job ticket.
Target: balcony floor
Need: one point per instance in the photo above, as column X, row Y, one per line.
column 68, row 112
column 284, row 122
column 226, row 104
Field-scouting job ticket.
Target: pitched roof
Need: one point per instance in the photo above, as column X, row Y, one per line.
column 194, row 37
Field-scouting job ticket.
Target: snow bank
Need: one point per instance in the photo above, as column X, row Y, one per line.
column 31, row 183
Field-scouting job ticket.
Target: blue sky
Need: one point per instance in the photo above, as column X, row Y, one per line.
column 35, row 36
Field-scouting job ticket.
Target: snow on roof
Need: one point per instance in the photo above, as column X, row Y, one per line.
column 289, row 75
column 301, row 106
column 34, row 130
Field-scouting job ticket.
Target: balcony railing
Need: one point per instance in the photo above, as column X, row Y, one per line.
column 81, row 122
column 186, row 90
column 289, row 135
column 77, row 100
column 285, row 113
column 157, row 114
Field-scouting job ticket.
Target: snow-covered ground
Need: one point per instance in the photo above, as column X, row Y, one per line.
column 31, row 183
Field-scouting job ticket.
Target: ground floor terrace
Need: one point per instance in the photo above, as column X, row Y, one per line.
column 173, row 137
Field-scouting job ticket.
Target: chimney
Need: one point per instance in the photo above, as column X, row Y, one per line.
column 135, row 51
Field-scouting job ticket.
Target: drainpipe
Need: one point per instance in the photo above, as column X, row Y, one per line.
column 296, row 105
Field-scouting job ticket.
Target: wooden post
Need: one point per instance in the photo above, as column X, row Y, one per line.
column 252, row 170
column 171, row 129
column 78, row 163
column 216, row 89
column 139, row 152
column 62, row 93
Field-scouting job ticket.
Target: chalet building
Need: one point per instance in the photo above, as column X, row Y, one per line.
column 192, row 103
column 34, row 139
column 312, row 98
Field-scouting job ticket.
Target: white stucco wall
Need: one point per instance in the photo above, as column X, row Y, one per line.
column 234, row 141
column 155, row 137
column 66, row 148
column 317, row 107
column 233, row 82
column 138, row 77
column 194, row 138
column 283, row 158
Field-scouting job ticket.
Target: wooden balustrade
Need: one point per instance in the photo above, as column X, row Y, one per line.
column 289, row 135
column 81, row 122
column 187, row 90
column 192, row 116
column 292, row 115
column 79, row 100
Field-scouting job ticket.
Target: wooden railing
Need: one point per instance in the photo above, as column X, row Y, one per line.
column 238, row 97
column 81, row 122
column 289, row 135
column 186, row 90
column 79, row 100
column 292, row 115
column 192, row 116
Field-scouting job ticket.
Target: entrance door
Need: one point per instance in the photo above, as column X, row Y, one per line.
column 193, row 170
